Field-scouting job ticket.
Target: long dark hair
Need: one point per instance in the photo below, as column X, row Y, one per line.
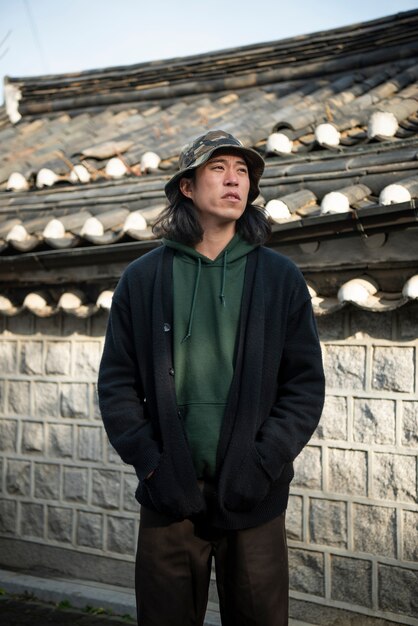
column 179, row 221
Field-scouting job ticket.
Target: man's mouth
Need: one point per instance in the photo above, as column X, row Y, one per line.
column 231, row 195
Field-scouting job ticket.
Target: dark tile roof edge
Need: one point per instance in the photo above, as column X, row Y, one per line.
column 362, row 292
column 352, row 46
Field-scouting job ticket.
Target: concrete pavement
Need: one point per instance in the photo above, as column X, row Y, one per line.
column 26, row 598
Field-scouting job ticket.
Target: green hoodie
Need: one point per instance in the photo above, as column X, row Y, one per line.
column 207, row 302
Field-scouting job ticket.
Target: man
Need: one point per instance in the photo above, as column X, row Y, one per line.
column 211, row 383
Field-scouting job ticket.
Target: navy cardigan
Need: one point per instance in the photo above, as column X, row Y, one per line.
column 274, row 404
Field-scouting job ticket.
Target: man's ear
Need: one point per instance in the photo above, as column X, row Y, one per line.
column 186, row 187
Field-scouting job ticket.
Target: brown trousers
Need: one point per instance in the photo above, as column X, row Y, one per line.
column 173, row 566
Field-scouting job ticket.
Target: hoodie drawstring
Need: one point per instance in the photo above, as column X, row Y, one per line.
column 192, row 308
column 222, row 294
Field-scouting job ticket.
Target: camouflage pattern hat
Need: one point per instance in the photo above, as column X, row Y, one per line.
column 201, row 150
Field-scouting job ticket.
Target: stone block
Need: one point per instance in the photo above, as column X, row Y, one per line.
column 60, row 440
column 74, row 400
column 90, row 443
column 374, row 529
column 46, row 399
column 58, row 357
column 47, row 481
column 8, row 435
column 306, row 571
column 364, row 324
column 333, row 422
column 410, row 424
column 393, row 369
column 60, row 524
column 408, row 324
column 351, row 580
column 33, row 438
column 18, row 478
column 331, row 327
column 374, row 421
column 106, row 489
column 18, row 401
column 294, row 518
column 87, row 358
column 75, row 484
column 32, row 520
column 8, row 357
column 130, row 483
column 398, row 590
column 344, row 366
column 8, row 517
column 31, row 361
column 112, row 456
column 90, row 530
column 394, row 477
column 347, row 471
column 410, row 535
column 308, row 469
column 2, row 396
column 328, row 522
column 121, row 535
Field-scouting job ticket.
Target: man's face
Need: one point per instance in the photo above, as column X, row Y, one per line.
column 220, row 188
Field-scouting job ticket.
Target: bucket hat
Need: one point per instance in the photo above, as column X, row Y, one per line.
column 200, row 151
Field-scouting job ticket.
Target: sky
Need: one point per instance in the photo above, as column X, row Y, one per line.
column 39, row 37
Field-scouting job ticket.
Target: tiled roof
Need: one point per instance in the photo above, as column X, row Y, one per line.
column 362, row 292
column 335, row 114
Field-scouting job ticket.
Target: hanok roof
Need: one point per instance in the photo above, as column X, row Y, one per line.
column 335, row 114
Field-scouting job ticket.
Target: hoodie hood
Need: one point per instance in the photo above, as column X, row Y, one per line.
column 236, row 249
column 233, row 252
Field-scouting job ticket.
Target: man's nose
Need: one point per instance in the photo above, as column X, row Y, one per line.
column 231, row 177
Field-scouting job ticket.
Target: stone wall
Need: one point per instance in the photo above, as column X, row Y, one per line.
column 353, row 515
column 66, row 501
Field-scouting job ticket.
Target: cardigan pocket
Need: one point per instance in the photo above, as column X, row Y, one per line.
column 166, row 494
column 248, row 485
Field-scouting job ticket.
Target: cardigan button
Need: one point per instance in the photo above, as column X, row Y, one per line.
column 166, row 327
column 171, row 371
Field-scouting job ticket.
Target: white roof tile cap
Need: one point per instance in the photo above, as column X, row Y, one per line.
column 335, row 202
column 92, row 227
column 104, row 301
column 279, row 143
column 54, row 230
column 12, row 95
column 135, row 221
column 116, row 168
column 327, row 135
column 80, row 174
column 7, row 307
column 277, row 210
column 150, row 161
column 382, row 124
column 70, row 300
column 394, row 194
column 357, row 290
column 410, row 288
column 46, row 178
column 17, row 233
column 17, row 182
